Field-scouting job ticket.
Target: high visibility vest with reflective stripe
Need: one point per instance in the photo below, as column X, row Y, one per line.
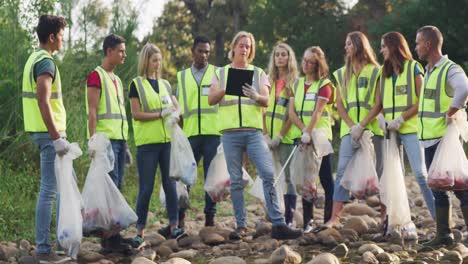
column 232, row 114
column 154, row 131
column 32, row 117
column 399, row 98
column 305, row 103
column 434, row 103
column 111, row 115
column 360, row 97
column 277, row 113
column 198, row 115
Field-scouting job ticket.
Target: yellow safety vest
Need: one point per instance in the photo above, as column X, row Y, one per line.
column 434, row 103
column 305, row 103
column 401, row 97
column 154, row 131
column 235, row 111
column 360, row 97
column 277, row 114
column 33, row 121
column 198, row 115
column 111, row 115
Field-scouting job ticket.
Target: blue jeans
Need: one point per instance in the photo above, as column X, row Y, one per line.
column 117, row 174
column 47, row 192
column 441, row 197
column 148, row 156
column 235, row 143
column 415, row 156
column 346, row 152
column 205, row 146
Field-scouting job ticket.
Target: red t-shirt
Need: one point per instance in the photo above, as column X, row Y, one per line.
column 325, row 92
column 95, row 81
column 280, row 84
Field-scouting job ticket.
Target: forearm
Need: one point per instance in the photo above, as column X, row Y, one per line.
column 144, row 116
column 343, row 114
column 92, row 122
column 371, row 115
column 410, row 112
column 263, row 100
column 295, row 119
column 215, row 95
column 285, row 128
column 264, row 130
column 46, row 113
column 314, row 120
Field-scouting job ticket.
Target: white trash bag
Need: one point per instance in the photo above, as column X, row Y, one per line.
column 449, row 168
column 392, row 182
column 182, row 195
column 105, row 208
column 70, row 222
column 360, row 176
column 218, row 182
column 305, row 167
column 182, row 166
column 321, row 142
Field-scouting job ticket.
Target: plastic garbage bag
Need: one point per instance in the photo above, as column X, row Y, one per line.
column 182, row 195
column 360, row 176
column 449, row 168
column 321, row 142
column 305, row 167
column 218, row 182
column 182, row 166
column 70, row 221
column 280, row 187
column 393, row 191
column 105, row 209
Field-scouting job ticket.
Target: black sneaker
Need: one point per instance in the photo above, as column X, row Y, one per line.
column 284, row 232
column 209, row 219
column 238, row 234
column 116, row 244
column 177, row 232
column 137, row 241
column 165, row 231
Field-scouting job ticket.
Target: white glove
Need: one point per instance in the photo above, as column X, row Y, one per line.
column 174, row 118
column 276, row 141
column 305, row 138
column 382, row 122
column 267, row 140
column 61, row 146
column 249, row 91
column 396, row 123
column 355, row 144
column 128, row 156
column 449, row 119
column 167, row 111
column 356, row 132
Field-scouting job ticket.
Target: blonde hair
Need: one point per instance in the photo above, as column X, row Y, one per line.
column 322, row 69
column 146, row 52
column 292, row 71
column 363, row 54
column 235, row 40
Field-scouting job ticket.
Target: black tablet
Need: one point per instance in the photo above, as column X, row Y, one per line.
column 236, row 78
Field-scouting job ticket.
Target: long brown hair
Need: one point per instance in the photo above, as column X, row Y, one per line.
column 292, row 66
column 363, row 54
column 398, row 52
column 322, row 69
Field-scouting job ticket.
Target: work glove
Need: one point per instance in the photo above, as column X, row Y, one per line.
column 396, row 123
column 276, row 141
column 267, row 140
column 305, row 138
column 356, row 132
column 128, row 156
column 449, row 119
column 382, row 122
column 355, row 144
column 174, row 118
column 167, row 111
column 61, row 146
column 249, row 91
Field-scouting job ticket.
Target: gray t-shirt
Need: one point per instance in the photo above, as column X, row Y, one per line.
column 45, row 66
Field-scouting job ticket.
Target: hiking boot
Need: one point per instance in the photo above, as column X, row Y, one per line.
column 308, row 227
column 289, row 208
column 444, row 236
column 238, row 234
column 284, row 232
column 165, row 231
column 137, row 241
column 177, row 232
column 209, row 219
column 116, row 244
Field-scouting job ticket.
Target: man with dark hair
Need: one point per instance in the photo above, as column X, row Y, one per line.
column 193, row 85
column 444, row 93
column 45, row 119
column 106, row 114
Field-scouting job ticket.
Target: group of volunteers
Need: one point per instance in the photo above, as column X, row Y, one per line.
column 280, row 109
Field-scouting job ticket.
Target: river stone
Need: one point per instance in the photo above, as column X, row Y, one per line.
column 154, row 239
column 177, row 261
column 373, row 248
column 358, row 209
column 228, row 260
column 164, row 251
column 452, row 257
column 370, row 258
column 172, row 244
column 142, row 260
column 357, row 224
column 24, row 244
column 373, row 201
column 341, row 251
column 349, row 235
column 89, row 256
column 147, row 253
column 185, row 254
column 324, row 258
column 285, row 255
column 385, row 257
column 188, row 241
column 262, row 228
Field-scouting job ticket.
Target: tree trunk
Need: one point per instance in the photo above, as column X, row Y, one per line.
column 219, row 48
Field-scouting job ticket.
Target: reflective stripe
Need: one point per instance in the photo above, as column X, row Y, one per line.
column 256, row 79
column 188, row 113
column 340, row 76
column 431, row 115
column 108, row 114
column 277, row 115
column 184, row 92
column 141, row 92
column 309, row 113
column 222, row 84
column 236, row 101
column 34, row 95
column 39, row 58
column 409, row 83
column 372, row 81
column 296, row 84
column 363, row 104
column 389, row 110
column 439, row 86
column 203, row 111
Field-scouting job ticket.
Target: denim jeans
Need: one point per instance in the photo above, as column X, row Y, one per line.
column 235, row 143
column 441, row 197
column 117, row 174
column 284, row 152
column 148, row 156
column 415, row 156
column 205, row 146
column 47, row 192
column 346, row 152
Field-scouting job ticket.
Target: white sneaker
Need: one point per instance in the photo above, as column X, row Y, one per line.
column 308, row 228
